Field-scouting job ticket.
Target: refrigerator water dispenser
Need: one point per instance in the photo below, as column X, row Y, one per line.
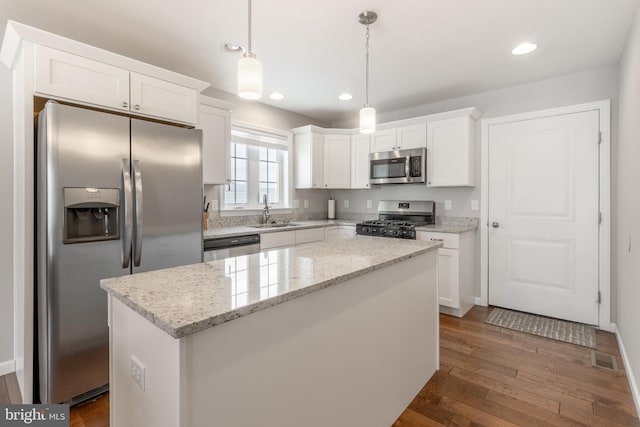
column 91, row 214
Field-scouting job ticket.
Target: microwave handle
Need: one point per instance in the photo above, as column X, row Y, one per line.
column 407, row 167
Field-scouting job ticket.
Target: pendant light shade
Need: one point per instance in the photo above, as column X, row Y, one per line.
column 367, row 119
column 367, row 113
column 249, row 77
column 249, row 71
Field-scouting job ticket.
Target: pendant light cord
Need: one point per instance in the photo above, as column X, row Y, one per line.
column 249, row 25
column 366, row 56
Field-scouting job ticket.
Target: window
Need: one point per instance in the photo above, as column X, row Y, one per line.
column 259, row 166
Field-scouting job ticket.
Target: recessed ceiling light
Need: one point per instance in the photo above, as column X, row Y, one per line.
column 524, row 48
column 233, row 48
column 345, row 97
column 277, row 96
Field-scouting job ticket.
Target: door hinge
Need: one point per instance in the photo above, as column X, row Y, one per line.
column 599, row 297
column 599, row 217
column 600, row 137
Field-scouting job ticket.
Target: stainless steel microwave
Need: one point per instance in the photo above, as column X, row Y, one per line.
column 398, row 167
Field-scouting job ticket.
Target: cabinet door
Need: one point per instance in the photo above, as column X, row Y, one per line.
column 383, row 140
column 309, row 160
column 347, row 232
column 309, row 235
column 360, row 161
column 448, row 280
column 159, row 98
column 62, row 75
column 450, row 153
column 337, row 161
column 277, row 239
column 414, row 136
column 216, row 137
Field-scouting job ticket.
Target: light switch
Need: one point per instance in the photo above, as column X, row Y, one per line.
column 306, row 204
column 346, row 204
column 368, row 204
column 296, row 203
column 475, row 205
column 214, row 205
column 447, row 205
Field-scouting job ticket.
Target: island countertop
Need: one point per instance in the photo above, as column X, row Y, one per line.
column 184, row 300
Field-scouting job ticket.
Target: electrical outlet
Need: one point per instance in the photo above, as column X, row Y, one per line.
column 214, row 205
column 368, row 204
column 346, row 204
column 474, row 205
column 447, row 205
column 138, row 372
column 296, row 203
column 306, row 204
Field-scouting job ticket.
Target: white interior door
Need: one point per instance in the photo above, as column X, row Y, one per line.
column 543, row 216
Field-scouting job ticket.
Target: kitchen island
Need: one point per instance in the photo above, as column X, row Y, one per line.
column 326, row 333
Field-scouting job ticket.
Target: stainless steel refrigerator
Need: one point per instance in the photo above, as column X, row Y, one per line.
column 115, row 196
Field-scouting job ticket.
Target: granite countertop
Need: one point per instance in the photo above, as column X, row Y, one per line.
column 184, row 300
column 213, row 233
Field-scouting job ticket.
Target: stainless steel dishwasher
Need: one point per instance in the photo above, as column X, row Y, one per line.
column 226, row 247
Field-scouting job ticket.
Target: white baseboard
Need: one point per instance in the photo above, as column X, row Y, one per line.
column 627, row 368
column 7, row 367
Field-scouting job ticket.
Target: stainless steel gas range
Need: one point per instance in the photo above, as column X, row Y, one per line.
column 399, row 219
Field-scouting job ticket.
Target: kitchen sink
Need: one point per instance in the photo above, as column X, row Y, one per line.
column 276, row 225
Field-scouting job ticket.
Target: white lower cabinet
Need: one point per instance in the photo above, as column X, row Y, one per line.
column 281, row 239
column 456, row 270
column 340, row 232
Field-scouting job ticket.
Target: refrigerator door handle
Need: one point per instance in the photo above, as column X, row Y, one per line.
column 128, row 219
column 137, row 186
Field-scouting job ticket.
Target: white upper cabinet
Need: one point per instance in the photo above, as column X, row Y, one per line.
column 158, row 98
column 360, row 161
column 399, row 138
column 451, row 152
column 75, row 78
column 414, row 136
column 216, row 139
column 337, row 161
column 309, row 160
column 383, row 140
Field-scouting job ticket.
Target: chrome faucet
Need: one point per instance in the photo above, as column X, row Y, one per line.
column 265, row 210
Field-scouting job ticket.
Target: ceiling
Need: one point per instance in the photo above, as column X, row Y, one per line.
column 422, row 51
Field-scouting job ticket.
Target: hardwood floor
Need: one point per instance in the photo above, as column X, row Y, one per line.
column 491, row 376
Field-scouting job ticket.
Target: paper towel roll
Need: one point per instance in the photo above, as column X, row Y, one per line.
column 332, row 209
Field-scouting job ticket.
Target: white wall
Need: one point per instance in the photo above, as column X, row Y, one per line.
column 6, row 216
column 586, row 86
column 627, row 203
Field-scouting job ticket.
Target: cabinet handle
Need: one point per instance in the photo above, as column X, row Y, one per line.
column 325, row 185
column 495, row 224
column 125, row 104
column 366, row 185
column 437, row 240
column 136, row 107
column 428, row 182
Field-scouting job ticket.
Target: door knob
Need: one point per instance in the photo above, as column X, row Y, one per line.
column 495, row 224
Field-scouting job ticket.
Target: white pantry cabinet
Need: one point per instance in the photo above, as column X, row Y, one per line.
column 456, row 270
column 340, row 232
column 75, row 78
column 215, row 124
column 360, row 161
column 400, row 138
column 451, row 151
column 337, row 161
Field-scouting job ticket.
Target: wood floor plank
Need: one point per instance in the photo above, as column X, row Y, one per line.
column 15, row 396
column 4, row 392
column 409, row 418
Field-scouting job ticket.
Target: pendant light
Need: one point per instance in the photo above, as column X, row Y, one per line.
column 367, row 113
column 249, row 71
